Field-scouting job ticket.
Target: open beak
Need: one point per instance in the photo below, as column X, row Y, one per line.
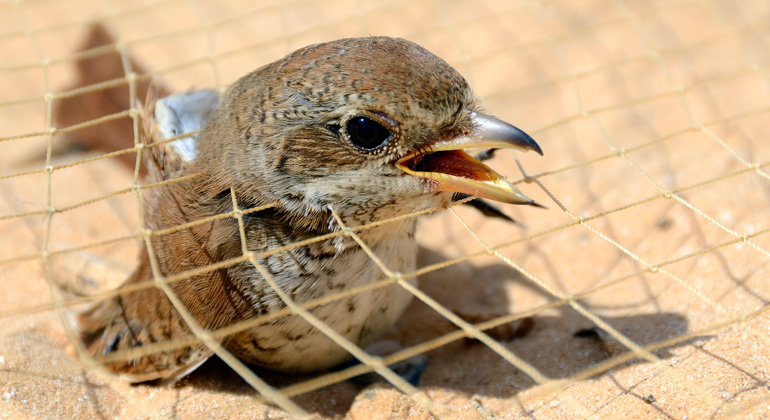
column 451, row 169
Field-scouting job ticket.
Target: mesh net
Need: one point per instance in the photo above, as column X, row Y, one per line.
column 642, row 289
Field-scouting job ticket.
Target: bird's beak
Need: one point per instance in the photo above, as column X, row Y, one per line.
column 451, row 169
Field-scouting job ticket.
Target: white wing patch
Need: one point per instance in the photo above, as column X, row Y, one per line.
column 183, row 113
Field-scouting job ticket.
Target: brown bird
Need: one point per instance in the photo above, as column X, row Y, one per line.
column 370, row 128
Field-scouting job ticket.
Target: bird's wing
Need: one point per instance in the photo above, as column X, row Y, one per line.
column 185, row 113
column 171, row 128
column 125, row 323
column 133, row 320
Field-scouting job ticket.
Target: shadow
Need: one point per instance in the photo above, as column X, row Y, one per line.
column 92, row 68
column 559, row 343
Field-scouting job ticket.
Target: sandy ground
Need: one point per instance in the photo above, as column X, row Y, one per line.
column 682, row 87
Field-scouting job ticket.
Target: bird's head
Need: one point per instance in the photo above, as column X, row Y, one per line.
column 362, row 125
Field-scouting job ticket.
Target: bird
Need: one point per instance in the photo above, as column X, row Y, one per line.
column 338, row 134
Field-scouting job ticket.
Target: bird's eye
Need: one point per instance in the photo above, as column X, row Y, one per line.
column 366, row 133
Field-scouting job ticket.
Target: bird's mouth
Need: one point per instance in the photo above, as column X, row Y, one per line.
column 449, row 168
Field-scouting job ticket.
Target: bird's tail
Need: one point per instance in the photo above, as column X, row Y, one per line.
column 137, row 346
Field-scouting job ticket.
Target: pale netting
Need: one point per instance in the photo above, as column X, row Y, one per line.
column 642, row 291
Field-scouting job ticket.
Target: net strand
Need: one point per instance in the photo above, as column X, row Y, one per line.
column 721, row 408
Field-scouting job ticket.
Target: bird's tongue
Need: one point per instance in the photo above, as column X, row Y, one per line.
column 456, row 163
column 455, row 170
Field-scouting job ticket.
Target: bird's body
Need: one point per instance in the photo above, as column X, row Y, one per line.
column 366, row 128
column 315, row 271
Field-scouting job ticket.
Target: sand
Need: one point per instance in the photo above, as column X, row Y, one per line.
column 629, row 101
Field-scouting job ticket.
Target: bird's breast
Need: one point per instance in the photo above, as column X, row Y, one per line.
column 334, row 267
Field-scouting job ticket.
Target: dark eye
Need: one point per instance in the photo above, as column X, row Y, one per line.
column 366, row 133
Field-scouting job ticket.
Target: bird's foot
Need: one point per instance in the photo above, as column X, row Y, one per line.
column 410, row 370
